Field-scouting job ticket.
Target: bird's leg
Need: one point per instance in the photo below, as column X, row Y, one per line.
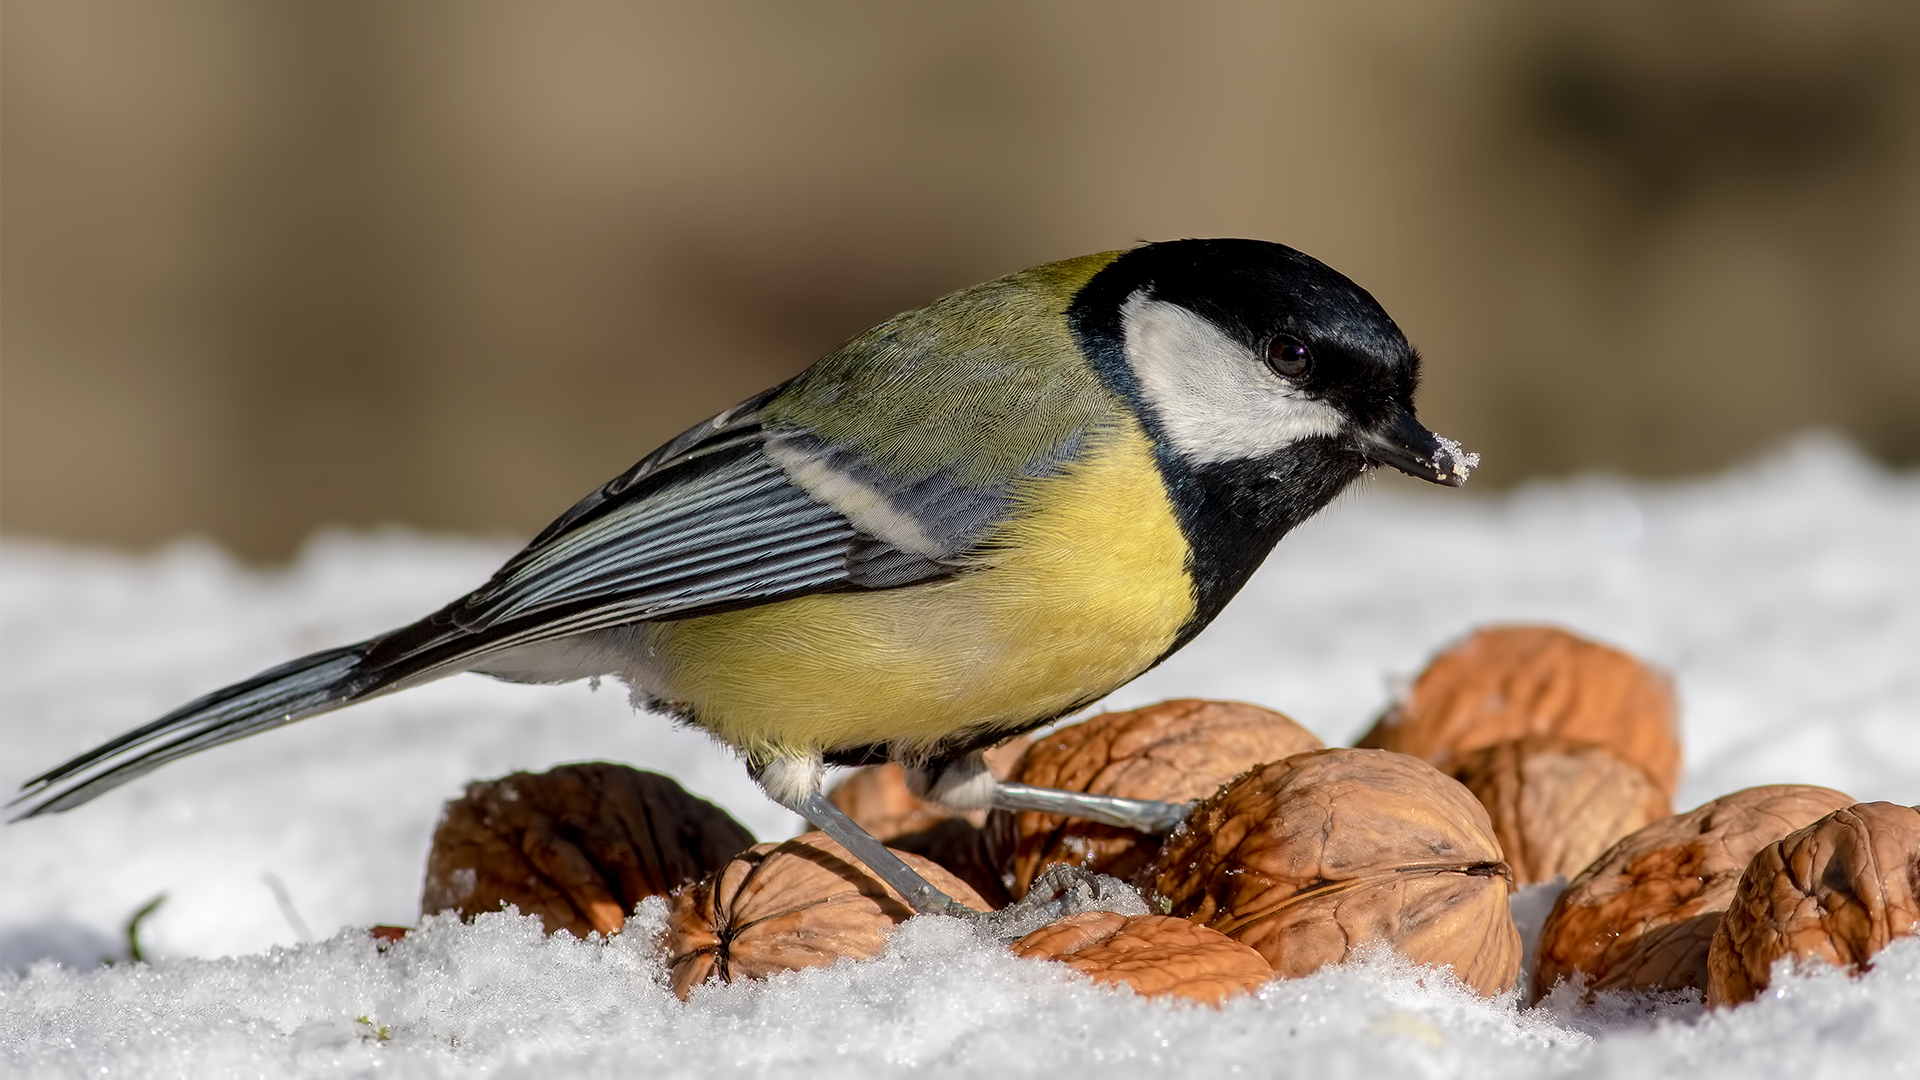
column 965, row 784
column 1145, row 815
column 795, row 784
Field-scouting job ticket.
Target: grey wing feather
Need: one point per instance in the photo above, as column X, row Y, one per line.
column 707, row 524
column 951, row 518
column 739, row 530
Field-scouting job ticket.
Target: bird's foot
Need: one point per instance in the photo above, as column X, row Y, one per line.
column 1057, row 893
column 1144, row 815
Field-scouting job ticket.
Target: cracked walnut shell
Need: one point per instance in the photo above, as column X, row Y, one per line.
column 1153, row 954
column 1643, row 915
column 1175, row 751
column 1504, row 682
column 578, row 846
column 1837, row 890
column 801, row 903
column 1557, row 804
column 1308, row 858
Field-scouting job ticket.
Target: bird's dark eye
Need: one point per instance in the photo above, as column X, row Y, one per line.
column 1288, row 357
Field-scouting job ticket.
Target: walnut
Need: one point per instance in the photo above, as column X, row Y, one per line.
column 1509, row 681
column 1642, row 916
column 1557, row 804
column 385, row 935
column 1310, row 857
column 1154, row 954
column 780, row 907
column 578, row 846
column 1174, row 751
column 1837, row 890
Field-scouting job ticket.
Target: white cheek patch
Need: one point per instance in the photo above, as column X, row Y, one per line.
column 1216, row 400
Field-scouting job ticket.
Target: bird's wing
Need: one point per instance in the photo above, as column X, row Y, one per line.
column 733, row 513
column 887, row 463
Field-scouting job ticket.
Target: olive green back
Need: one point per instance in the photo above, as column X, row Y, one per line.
column 982, row 384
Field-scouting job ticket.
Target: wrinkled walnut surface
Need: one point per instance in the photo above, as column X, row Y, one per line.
column 1307, row 858
column 1836, row 891
column 1174, row 751
column 1508, row 681
column 1643, row 915
column 800, row 903
column 1557, row 804
column 578, row 846
column 1154, row 954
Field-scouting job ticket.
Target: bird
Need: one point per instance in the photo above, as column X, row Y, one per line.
column 971, row 520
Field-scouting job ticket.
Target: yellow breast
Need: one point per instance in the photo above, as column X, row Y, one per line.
column 1086, row 588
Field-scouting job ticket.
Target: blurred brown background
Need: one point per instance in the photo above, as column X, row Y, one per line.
column 453, row 263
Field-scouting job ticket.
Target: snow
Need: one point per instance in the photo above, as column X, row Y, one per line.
column 1784, row 596
column 1459, row 462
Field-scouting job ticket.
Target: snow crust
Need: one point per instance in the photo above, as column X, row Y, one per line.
column 1460, row 462
column 1784, row 596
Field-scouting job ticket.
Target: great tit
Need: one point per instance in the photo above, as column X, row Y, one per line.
column 974, row 518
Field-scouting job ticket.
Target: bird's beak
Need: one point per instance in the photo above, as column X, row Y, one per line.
column 1404, row 444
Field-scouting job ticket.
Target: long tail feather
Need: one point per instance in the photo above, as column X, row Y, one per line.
column 312, row 684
